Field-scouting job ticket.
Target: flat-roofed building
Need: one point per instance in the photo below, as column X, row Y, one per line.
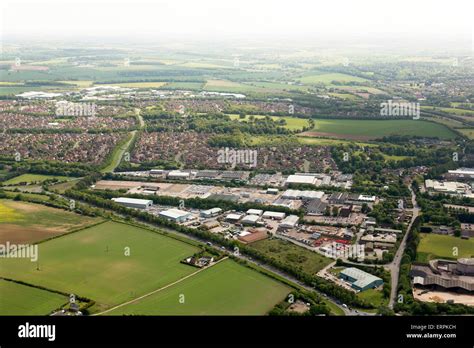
column 289, row 222
column 463, row 174
column 297, row 194
column 211, row 212
column 315, row 207
column 253, row 235
column 255, row 212
column 232, row 217
column 338, row 198
column 274, row 215
column 359, row 279
column 176, row 174
column 133, row 202
column 175, row 215
column 301, row 179
column 387, row 230
column 250, row 219
column 448, row 187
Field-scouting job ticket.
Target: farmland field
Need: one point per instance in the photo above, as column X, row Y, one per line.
column 468, row 132
column 290, row 253
column 434, row 246
column 28, row 178
column 224, row 289
column 372, row 129
column 328, row 78
column 93, row 263
column 454, row 111
column 23, row 222
column 140, row 84
column 183, row 85
column 293, row 123
column 18, row 299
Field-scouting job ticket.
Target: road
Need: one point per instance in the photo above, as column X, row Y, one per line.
column 394, row 266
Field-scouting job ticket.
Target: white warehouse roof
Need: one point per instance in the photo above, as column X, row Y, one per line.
column 177, row 173
column 174, row 213
column 233, row 216
column 212, row 211
column 250, row 219
column 296, row 194
column 290, row 221
column 274, row 214
column 300, row 179
column 465, row 171
column 367, row 198
column 125, row 200
column 255, row 212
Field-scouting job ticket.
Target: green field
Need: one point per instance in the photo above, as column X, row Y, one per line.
column 292, row 123
column 289, row 253
column 140, row 84
column 434, row 246
column 329, row 77
column 92, row 263
column 330, row 142
column 18, row 299
column 345, row 96
column 224, row 289
column 29, row 178
column 24, row 222
column 468, row 132
column 454, row 111
column 183, row 85
column 371, row 129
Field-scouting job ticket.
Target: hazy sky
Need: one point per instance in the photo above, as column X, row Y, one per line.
column 243, row 18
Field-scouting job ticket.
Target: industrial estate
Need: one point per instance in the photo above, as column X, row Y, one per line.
column 176, row 179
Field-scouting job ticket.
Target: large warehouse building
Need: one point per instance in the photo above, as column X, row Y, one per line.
column 175, row 215
column 133, row 202
column 359, row 279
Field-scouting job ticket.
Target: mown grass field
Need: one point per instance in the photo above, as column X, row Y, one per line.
column 292, row 123
column 224, row 289
column 24, row 222
column 18, row 299
column 29, row 178
column 372, row 129
column 311, row 262
column 93, row 263
column 434, row 246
